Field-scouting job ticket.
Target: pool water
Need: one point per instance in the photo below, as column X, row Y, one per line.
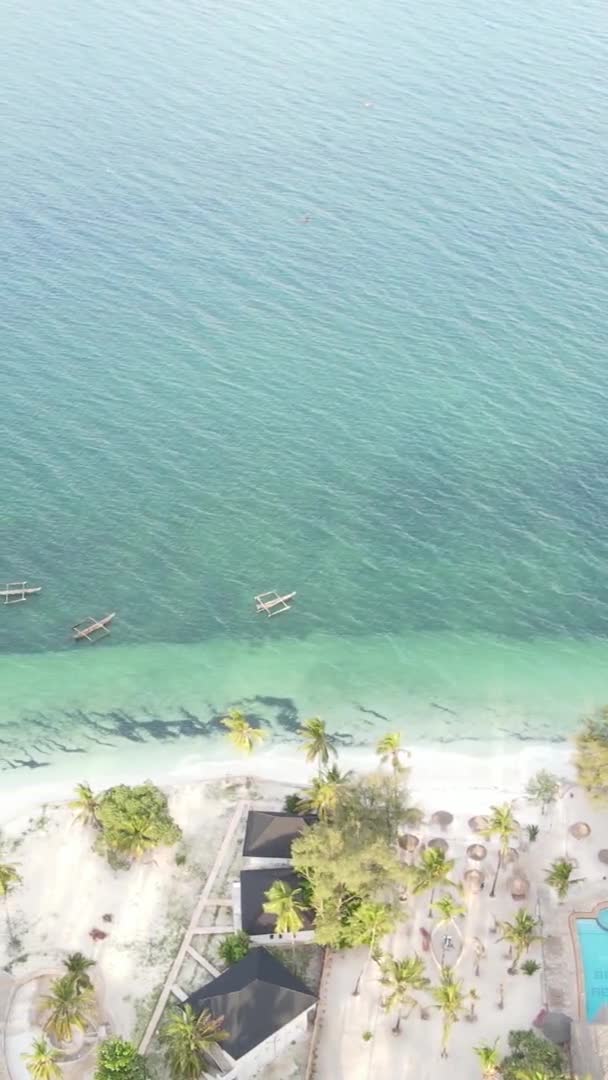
column 593, row 946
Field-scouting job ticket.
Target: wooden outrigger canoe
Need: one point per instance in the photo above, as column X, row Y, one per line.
column 16, row 591
column 272, row 603
column 86, row 628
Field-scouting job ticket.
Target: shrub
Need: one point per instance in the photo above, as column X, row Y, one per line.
column 367, row 1035
column 292, row 803
column 118, row 1059
column 530, row 967
column 234, row 947
column 532, row 831
column 532, row 1053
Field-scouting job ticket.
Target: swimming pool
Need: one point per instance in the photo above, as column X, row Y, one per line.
column 593, row 950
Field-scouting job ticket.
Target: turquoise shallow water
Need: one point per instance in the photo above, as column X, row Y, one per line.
column 309, row 299
column 593, row 945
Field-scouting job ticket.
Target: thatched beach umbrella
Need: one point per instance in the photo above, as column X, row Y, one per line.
column 519, row 887
column 442, row 818
column 580, row 830
column 477, row 852
column 439, row 843
column 478, row 823
column 473, row 880
column 408, row 842
column 603, row 855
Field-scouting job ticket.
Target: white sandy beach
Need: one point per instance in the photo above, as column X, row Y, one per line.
column 68, row 888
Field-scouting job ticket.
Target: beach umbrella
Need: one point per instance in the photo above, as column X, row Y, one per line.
column 408, row 842
column 477, row 852
column 519, row 886
column 580, row 830
column 603, row 855
column 439, row 843
column 556, row 1026
column 442, row 818
column 473, row 880
column 478, row 823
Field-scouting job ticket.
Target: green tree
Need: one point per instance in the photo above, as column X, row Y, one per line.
column 135, row 820
column 534, row 1053
column 559, row 876
column 591, row 757
column 343, row 867
column 520, row 935
column 374, row 805
column 292, row 804
column 318, row 744
column 404, row 979
column 9, row 879
column 85, row 805
column 325, row 793
column 243, row 735
column 286, row 904
column 118, row 1059
column 503, row 826
column 187, row 1038
column 489, row 1061
column 68, row 1008
column 234, row 947
column 41, row 1062
column 543, row 789
column 450, row 1000
column 448, row 910
column 369, row 923
column 77, row 966
column 433, row 870
column 389, row 749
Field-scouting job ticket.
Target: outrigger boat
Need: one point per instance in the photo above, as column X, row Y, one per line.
column 16, row 591
column 272, row 603
column 87, row 628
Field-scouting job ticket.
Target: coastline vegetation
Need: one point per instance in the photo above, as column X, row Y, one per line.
column 130, row 821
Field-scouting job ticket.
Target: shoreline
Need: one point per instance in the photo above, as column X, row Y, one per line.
column 453, row 773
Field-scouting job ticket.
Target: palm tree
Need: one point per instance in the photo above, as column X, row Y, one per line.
column 286, row 904
column 318, row 744
column 559, row 876
column 369, row 924
column 325, row 792
column 9, row 879
column 389, row 749
column 449, row 999
column 68, row 1008
column 432, row 870
column 403, row 977
column 473, row 997
column 520, row 935
column 543, row 788
column 448, row 910
column 241, row 733
column 188, row 1038
column 489, row 1060
column 86, row 805
column 77, row 966
column 41, row 1062
column 502, row 825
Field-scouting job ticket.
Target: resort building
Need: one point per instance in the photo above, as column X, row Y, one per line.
column 264, row 1008
column 269, row 836
column 248, row 898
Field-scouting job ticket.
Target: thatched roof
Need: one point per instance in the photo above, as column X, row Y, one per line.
column 408, row 842
column 473, row 880
column 477, row 852
column 440, row 843
column 478, row 823
column 519, row 886
column 442, row 818
column 580, row 830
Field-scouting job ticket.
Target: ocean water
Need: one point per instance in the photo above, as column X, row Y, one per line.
column 303, row 297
